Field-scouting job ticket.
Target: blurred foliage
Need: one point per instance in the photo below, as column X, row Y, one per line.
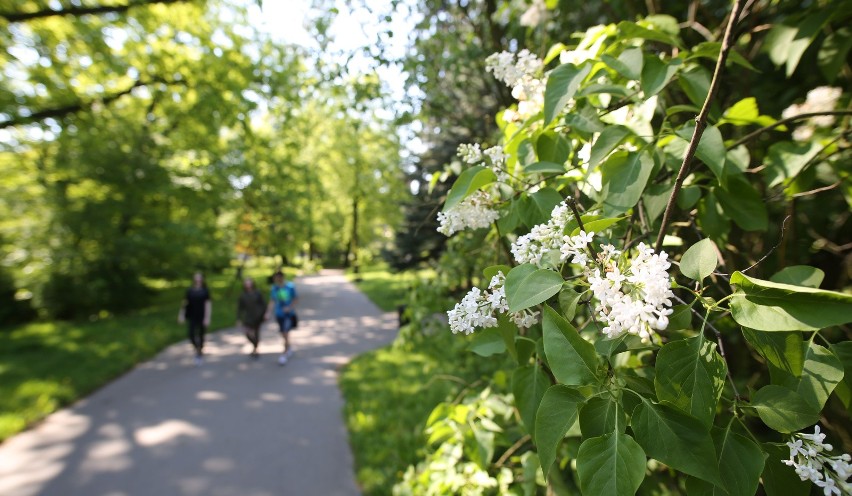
column 169, row 137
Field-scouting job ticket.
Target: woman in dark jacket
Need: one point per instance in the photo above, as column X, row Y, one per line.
column 250, row 313
column 196, row 310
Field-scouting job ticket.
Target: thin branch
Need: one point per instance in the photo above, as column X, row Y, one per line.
column 59, row 112
column 572, row 202
column 79, row 11
column 752, row 135
column 818, row 190
column 700, row 121
column 781, row 240
column 512, row 449
column 698, row 28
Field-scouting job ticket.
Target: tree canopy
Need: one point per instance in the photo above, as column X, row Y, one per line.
column 148, row 139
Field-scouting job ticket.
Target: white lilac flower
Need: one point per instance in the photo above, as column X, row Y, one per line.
column 470, row 153
column 810, row 458
column 821, row 99
column 634, row 297
column 547, row 238
column 498, row 161
column 496, row 155
column 533, row 16
column 478, row 309
column 474, row 212
column 525, row 318
column 474, row 310
column 520, row 74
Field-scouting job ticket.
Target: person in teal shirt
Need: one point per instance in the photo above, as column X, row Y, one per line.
column 282, row 301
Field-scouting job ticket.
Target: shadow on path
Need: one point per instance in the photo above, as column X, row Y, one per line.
column 230, row 427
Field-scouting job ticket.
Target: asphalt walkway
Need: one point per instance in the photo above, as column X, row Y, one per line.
column 229, row 427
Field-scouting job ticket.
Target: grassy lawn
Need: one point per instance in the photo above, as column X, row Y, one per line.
column 390, row 392
column 384, row 288
column 389, row 395
column 46, row 365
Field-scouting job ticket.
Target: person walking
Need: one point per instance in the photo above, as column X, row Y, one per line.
column 196, row 310
column 251, row 310
column 282, row 301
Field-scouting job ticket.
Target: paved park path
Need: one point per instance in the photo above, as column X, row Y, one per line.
column 230, row 427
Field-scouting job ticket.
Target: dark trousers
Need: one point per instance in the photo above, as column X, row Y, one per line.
column 196, row 334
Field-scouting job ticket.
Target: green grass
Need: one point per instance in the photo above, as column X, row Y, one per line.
column 390, row 392
column 386, row 289
column 46, row 365
column 389, row 395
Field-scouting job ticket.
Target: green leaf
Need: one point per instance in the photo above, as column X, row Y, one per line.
column 784, row 353
column 488, row 342
column 509, row 332
column 544, row 168
column 688, row 196
column 821, row 374
column 568, row 299
column 783, row 409
column 629, row 30
column 779, row 479
column 492, row 271
column 777, row 43
column 799, row 275
column 843, row 391
column 540, row 205
column 710, row 50
column 744, row 204
column 597, row 225
column 562, row 84
column 526, row 348
column 786, row 160
column 479, row 445
column 711, row 149
column 771, row 306
column 612, row 464
column 552, row 147
column 691, row 375
column 656, row 74
column 681, row 318
column 628, row 64
column 624, row 179
column 655, row 199
column 572, row 359
column 469, row 181
column 510, row 217
column 585, row 121
column 528, row 386
column 699, row 261
column 745, row 112
column 805, row 34
column 740, row 462
column 834, row 52
column 556, row 414
column 738, row 159
column 695, row 82
column 527, row 285
column 609, row 347
column 677, row 109
column 608, row 141
column 676, row 439
column 710, row 218
column 601, row 416
column 610, row 89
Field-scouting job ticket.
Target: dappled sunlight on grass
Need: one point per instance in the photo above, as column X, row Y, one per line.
column 387, row 289
column 389, row 395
